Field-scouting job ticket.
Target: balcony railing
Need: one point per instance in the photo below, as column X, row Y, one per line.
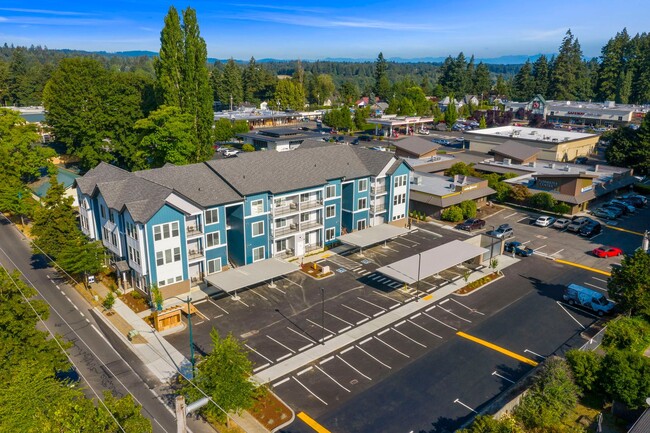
column 283, row 231
column 287, row 208
column 379, row 189
column 310, row 224
column 378, row 208
column 195, row 254
column 311, row 204
column 192, row 231
column 312, row 247
column 285, row 254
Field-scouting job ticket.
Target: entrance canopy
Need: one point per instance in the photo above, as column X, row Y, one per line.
column 372, row 235
column 431, row 262
column 245, row 276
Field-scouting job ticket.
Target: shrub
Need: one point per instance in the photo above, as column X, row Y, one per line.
column 248, row 148
column 586, row 368
column 542, row 200
column 452, row 213
column 519, row 193
column 469, row 208
column 641, row 188
column 109, row 301
column 627, row 333
column 562, row 208
column 626, row 377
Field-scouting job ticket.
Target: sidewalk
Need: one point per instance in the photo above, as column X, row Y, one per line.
column 340, row 341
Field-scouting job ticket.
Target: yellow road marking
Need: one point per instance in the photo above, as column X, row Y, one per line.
column 325, row 256
column 577, row 265
column 497, row 348
column 623, row 230
column 428, row 297
column 312, row 423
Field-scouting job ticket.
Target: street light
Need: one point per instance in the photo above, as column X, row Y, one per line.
column 322, row 316
column 417, row 283
column 189, row 324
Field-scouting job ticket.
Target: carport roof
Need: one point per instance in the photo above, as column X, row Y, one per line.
column 250, row 275
column 372, row 235
column 433, row 261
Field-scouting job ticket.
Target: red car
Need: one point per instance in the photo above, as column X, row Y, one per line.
column 604, row 252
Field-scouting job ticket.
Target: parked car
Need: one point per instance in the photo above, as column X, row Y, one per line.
column 544, row 221
column 518, row 248
column 501, row 233
column 592, row 228
column 423, row 131
column 471, row 224
column 616, row 210
column 378, row 148
column 231, row 152
column 587, row 298
column 561, row 223
column 604, row 212
column 630, row 207
column 577, row 224
column 441, row 141
column 605, row 251
column 504, row 226
column 636, row 201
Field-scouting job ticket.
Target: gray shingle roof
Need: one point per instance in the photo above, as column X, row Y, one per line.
column 141, row 197
column 416, row 145
column 516, row 150
column 103, row 171
column 278, row 172
column 196, row 182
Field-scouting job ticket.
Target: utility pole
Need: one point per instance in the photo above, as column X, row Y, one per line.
column 189, row 323
column 181, row 426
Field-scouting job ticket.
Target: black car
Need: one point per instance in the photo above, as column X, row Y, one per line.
column 471, row 224
column 635, row 201
column 519, row 249
column 591, row 229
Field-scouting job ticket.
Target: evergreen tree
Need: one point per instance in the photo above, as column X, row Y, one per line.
column 567, row 70
column 501, row 87
column 231, row 87
column 169, row 63
column 482, row 83
column 382, row 84
column 349, row 92
column 613, row 67
column 251, row 81
column 541, row 76
column 523, row 85
column 640, row 67
column 451, row 115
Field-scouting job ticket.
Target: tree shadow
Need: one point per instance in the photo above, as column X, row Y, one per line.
column 39, row 261
column 550, row 290
column 448, row 425
column 511, row 374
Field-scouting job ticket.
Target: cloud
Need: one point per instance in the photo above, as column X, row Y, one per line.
column 285, row 8
column 50, row 21
column 545, row 35
column 44, row 11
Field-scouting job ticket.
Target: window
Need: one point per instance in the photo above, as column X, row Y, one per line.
column 157, row 233
column 214, row 265
column 162, row 283
column 280, row 222
column 102, row 210
column 111, row 217
column 130, row 253
column 175, row 229
column 168, row 256
column 258, row 254
column 212, row 216
column 137, row 256
column 329, row 234
column 105, row 232
column 362, row 203
column 132, row 230
column 257, row 207
column 363, row 185
column 258, row 228
column 330, row 211
column 399, row 181
column 361, row 224
column 159, row 258
column 165, row 229
column 179, row 278
column 281, row 245
column 330, row 191
column 177, row 254
column 304, row 217
column 113, row 239
column 304, row 197
column 170, row 280
column 212, row 239
column 399, row 199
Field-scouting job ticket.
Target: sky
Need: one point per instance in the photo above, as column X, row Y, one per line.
column 360, row 29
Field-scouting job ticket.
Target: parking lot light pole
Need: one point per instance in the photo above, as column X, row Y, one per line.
column 189, row 324
column 322, row 316
column 491, row 245
column 417, row 283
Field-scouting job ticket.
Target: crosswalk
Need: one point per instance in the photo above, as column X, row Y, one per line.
column 377, row 278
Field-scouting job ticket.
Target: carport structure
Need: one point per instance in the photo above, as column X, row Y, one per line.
column 372, row 236
column 232, row 280
column 431, row 262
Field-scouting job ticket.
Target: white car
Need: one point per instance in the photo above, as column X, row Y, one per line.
column 423, row 131
column 544, row 221
column 561, row 223
column 230, row 152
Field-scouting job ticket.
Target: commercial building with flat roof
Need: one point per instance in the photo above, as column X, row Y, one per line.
column 280, row 139
column 553, row 144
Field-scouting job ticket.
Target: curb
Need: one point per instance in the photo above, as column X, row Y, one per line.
column 293, row 413
column 479, row 288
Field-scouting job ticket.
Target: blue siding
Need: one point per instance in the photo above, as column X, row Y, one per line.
column 258, row 241
column 235, row 235
column 335, row 221
column 165, row 214
column 219, row 252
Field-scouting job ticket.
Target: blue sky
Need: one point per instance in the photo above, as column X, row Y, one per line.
column 310, row 30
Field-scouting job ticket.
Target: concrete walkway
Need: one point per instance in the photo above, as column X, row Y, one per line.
column 340, row 341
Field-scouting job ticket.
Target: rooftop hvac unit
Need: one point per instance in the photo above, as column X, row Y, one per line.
column 532, row 164
column 507, row 161
column 551, row 166
column 417, row 180
column 567, row 168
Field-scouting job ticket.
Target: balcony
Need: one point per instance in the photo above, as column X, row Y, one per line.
column 311, row 204
column 195, row 255
column 285, row 209
column 192, row 231
column 378, row 189
column 286, row 230
column 312, row 247
column 197, row 278
column 379, row 208
column 306, row 225
column 286, row 254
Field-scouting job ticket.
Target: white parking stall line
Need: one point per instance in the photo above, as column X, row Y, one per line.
column 301, row 334
column 336, row 317
column 394, row 285
column 255, row 351
column 527, row 242
column 399, row 323
column 600, row 279
column 536, row 354
column 347, row 328
column 457, row 401
column 383, row 332
column 570, row 315
column 444, row 301
column 594, row 237
column 473, row 310
column 512, row 214
column 356, row 311
column 217, row 316
column 406, row 336
column 371, row 303
column 539, row 248
column 456, row 315
column 364, row 273
column 347, row 350
column 326, row 360
column 239, row 300
column 382, row 280
column 363, row 320
column 261, row 367
column 357, row 268
column 415, row 315
column 260, row 295
column 385, row 365
column 333, row 380
column 283, row 345
column 401, row 353
column 522, row 220
column 365, row 341
column 320, row 326
column 440, row 321
column 310, row 391
column 595, row 287
column 425, row 329
column 217, row 305
column 301, row 372
column 494, row 373
column 305, row 347
column 351, row 366
column 286, row 379
column 376, row 277
column 557, row 252
column 399, row 243
column 199, row 323
column 394, row 306
column 430, row 308
column 283, row 357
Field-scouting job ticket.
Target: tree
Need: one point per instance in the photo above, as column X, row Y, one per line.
column 109, row 301
column 487, row 424
column 349, row 92
column 541, row 76
column 382, row 84
column 627, row 333
column 629, row 285
column 80, row 257
column 626, row 377
column 338, row 118
column 586, row 368
column 552, row 395
column 451, row 115
column 519, row 193
column 323, row 88
column 481, row 123
column 223, row 130
column 482, row 84
column 629, row 148
column 169, row 63
column 542, row 200
column 613, row 68
column 248, row 148
column 452, row 213
column 360, row 117
column 523, row 85
column 290, row 95
column 224, row 375
column 231, row 90
column 567, row 70
column 469, row 208
column 166, row 136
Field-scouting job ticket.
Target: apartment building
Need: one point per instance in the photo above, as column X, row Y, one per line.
column 174, row 225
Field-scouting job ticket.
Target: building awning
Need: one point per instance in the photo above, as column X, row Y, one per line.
column 431, row 262
column 373, row 235
column 245, row 276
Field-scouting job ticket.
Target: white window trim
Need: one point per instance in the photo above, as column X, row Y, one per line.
column 333, row 229
column 212, row 212
column 253, row 231
column 207, row 244
column 362, row 182
column 359, row 208
column 333, row 214
column 327, row 196
column 263, row 253
column 254, row 206
column 214, row 260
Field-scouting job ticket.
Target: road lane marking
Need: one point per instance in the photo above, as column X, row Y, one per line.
column 382, row 341
column 494, row 373
column 385, row 365
column 497, row 348
column 255, row 351
column 440, row 321
column 464, row 405
column 595, row 286
column 473, row 310
column 312, row 423
column 425, row 329
column 352, row 367
column 283, row 345
column 310, row 391
column 577, row 265
column 333, row 380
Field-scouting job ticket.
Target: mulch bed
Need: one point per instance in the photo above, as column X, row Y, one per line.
column 478, row 283
column 270, row 411
column 315, row 270
column 136, row 303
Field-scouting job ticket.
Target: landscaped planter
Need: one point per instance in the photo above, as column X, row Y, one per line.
column 475, row 285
